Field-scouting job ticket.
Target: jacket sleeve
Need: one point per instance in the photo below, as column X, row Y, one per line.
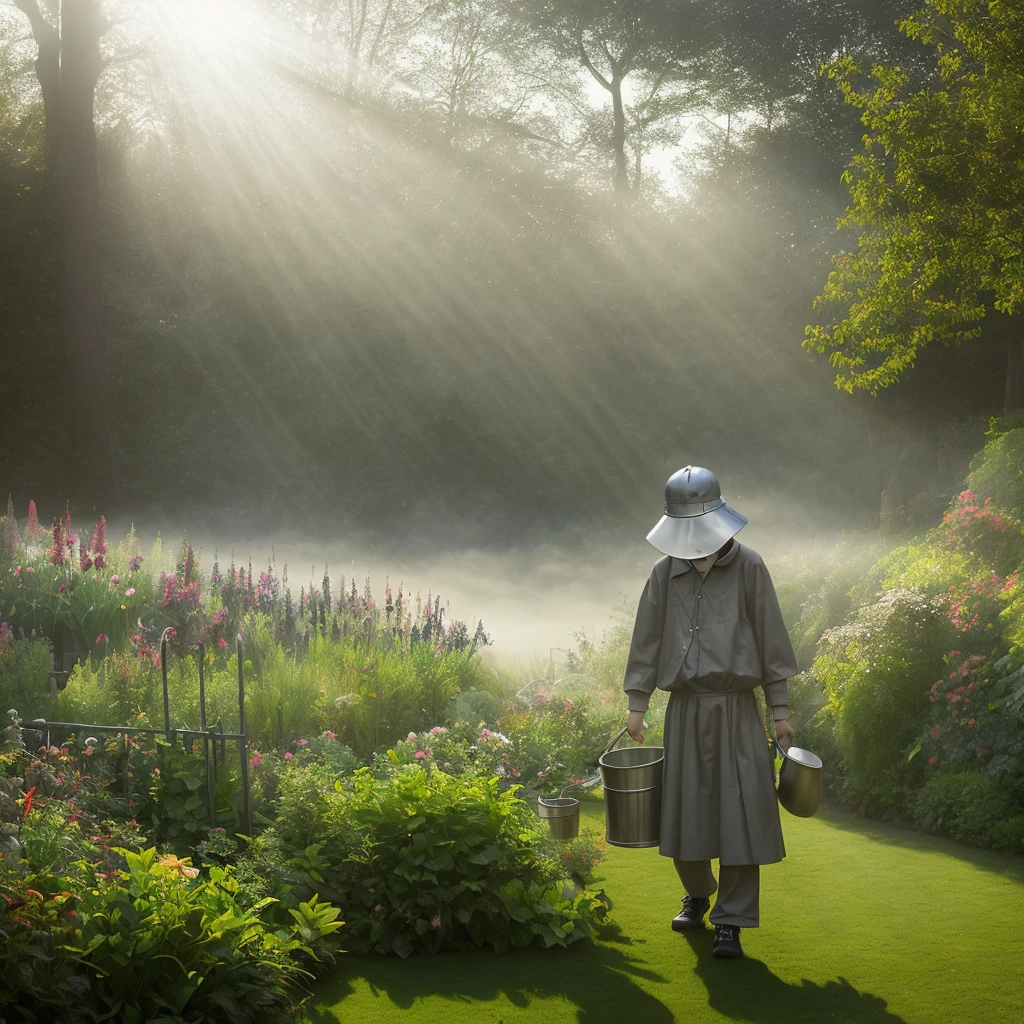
column 641, row 676
column 775, row 651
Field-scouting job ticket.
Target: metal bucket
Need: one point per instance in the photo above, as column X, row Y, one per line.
column 632, row 794
column 799, row 788
column 562, row 814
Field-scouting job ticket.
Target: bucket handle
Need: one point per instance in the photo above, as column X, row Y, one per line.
column 615, row 739
column 591, row 780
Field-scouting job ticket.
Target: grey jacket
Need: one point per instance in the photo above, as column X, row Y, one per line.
column 721, row 633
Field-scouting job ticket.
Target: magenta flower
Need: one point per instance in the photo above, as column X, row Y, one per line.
column 288, row 755
column 114, row 580
column 256, row 760
column 129, row 592
column 102, row 638
column 134, row 562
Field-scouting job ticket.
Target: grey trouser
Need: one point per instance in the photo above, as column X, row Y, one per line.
column 738, row 894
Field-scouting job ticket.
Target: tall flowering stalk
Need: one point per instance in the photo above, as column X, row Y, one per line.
column 32, row 528
column 11, row 538
column 58, row 556
column 98, row 544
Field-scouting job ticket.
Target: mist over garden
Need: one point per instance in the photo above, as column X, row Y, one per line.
column 347, row 346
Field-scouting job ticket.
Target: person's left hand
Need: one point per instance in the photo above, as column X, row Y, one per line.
column 785, row 734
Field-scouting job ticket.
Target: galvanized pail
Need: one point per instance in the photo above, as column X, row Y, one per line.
column 632, row 794
column 562, row 814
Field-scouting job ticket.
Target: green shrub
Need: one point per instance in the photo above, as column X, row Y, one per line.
column 25, row 683
column 974, row 807
column 877, row 672
column 997, row 471
column 425, row 861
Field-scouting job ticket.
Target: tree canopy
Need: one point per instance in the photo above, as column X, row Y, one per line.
column 936, row 199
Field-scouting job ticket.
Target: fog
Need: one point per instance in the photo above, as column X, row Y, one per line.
column 531, row 597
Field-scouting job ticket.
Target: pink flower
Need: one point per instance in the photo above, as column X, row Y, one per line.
column 129, row 592
column 256, row 760
column 377, row 909
column 435, row 921
column 222, row 643
column 32, row 529
column 288, row 756
column 932, row 760
column 936, row 732
column 420, row 755
column 114, row 580
column 411, row 737
column 330, row 736
column 102, row 638
column 17, row 571
column 62, row 589
column 301, row 743
column 29, row 569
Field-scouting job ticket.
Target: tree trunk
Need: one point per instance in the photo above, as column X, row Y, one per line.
column 619, row 137
column 81, row 270
column 47, row 66
column 1013, row 396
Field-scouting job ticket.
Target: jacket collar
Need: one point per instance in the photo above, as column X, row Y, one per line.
column 681, row 565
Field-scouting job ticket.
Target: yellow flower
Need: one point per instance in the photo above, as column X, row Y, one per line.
column 183, row 865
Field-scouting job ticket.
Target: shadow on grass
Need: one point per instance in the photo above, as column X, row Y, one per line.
column 1008, row 865
column 599, row 980
column 746, row 990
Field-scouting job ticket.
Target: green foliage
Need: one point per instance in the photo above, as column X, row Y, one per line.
column 426, row 861
column 876, row 671
column 938, row 237
column 975, row 807
column 25, row 682
column 997, row 471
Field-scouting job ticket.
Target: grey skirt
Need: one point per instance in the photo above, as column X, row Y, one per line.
column 718, row 790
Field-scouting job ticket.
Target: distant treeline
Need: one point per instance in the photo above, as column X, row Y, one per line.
column 415, row 271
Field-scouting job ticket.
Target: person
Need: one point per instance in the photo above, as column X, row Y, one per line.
column 709, row 630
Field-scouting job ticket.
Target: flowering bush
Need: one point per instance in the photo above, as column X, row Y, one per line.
column 971, row 724
column 983, row 531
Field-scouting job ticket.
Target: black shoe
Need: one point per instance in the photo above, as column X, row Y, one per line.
column 692, row 914
column 727, row 941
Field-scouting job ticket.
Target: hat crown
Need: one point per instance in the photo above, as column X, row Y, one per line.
column 689, row 487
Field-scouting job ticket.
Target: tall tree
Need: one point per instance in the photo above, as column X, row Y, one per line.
column 937, row 199
column 68, row 66
column 620, row 40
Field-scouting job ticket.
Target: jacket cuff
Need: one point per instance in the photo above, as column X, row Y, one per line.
column 638, row 700
column 780, row 713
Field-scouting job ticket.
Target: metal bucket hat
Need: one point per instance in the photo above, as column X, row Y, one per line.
column 697, row 521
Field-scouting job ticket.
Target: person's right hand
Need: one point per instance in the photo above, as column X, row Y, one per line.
column 635, row 726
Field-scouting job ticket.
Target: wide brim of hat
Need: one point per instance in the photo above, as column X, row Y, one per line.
column 696, row 536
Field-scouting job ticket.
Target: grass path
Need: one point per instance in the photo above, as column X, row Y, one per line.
column 861, row 924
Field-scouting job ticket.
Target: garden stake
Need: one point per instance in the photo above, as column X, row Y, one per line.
column 163, row 673
column 243, row 744
column 211, row 791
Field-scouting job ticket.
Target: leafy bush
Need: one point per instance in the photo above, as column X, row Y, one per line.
column 996, row 472
column 974, row 807
column 974, row 722
column 425, row 861
column 25, row 665
column 877, row 671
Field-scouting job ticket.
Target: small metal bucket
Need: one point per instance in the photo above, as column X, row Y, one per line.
column 562, row 814
column 799, row 787
column 632, row 794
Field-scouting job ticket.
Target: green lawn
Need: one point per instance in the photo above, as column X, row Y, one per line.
column 861, row 924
